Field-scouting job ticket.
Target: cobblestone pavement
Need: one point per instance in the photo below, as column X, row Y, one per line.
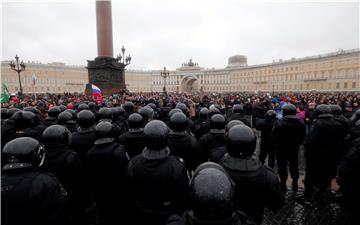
column 296, row 211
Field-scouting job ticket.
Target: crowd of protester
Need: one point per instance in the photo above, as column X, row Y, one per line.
column 176, row 158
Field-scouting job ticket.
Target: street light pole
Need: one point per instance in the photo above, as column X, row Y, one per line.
column 164, row 74
column 18, row 68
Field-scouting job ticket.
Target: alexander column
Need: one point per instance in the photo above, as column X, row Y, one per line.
column 105, row 71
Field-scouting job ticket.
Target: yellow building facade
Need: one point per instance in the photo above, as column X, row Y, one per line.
column 337, row 71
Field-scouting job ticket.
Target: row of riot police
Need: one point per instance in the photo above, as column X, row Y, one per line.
column 136, row 166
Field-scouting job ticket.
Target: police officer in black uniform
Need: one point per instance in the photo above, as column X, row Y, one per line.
column 29, row 195
column 214, row 139
column 181, row 143
column 66, row 165
column 159, row 184
column 134, row 139
column 129, row 108
column 106, row 164
column 239, row 114
column 323, row 144
column 202, row 125
column 288, row 135
column 212, row 197
column 267, row 147
column 83, row 139
column 147, row 114
column 251, row 177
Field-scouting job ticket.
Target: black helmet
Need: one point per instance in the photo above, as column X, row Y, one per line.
column 217, row 123
column 82, row 107
column 86, row 119
column 104, row 133
column 178, row 122
column 152, row 105
column 232, row 123
column 23, row 119
column 173, row 111
column 54, row 112
column 120, row 110
column 92, row 105
column 289, row 110
column 56, row 135
column 212, row 111
column 65, row 118
column 23, row 152
column 135, row 122
column 335, row 110
column 73, row 113
column 217, row 106
column 156, row 133
column 32, row 109
column 105, row 114
column 241, row 141
column 204, row 113
column 62, row 108
column 270, row 114
column 322, row 109
column 355, row 116
column 147, row 113
column 237, row 108
column 115, row 113
column 182, row 107
column 4, row 114
column 212, row 194
column 129, row 107
column 11, row 111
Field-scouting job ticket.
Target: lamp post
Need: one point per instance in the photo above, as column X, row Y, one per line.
column 164, row 74
column 121, row 58
column 18, row 68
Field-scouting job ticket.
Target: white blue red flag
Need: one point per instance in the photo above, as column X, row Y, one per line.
column 96, row 91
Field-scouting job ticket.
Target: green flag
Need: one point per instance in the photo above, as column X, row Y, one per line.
column 5, row 95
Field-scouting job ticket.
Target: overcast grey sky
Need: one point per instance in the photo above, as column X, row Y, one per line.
column 169, row 32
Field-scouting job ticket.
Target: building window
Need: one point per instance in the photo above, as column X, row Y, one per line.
column 330, row 75
column 353, row 85
column 345, row 85
column 337, row 85
column 315, row 75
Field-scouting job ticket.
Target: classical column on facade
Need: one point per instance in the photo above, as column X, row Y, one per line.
column 105, row 71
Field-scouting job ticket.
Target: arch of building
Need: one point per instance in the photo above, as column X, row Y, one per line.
column 190, row 83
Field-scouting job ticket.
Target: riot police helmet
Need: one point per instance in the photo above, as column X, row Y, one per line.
column 232, row 123
column 289, row 110
column 178, row 122
column 147, row 113
column 54, row 112
column 217, row 123
column 129, row 107
column 11, row 111
column 322, row 109
column 203, row 113
column 86, row 118
column 156, row 133
column 104, row 132
column 56, row 135
column 105, row 114
column 335, row 110
column 237, row 108
column 135, row 122
column 32, row 109
column 240, row 141
column 82, row 107
column 23, row 152
column 65, row 118
column 212, row 194
column 182, row 107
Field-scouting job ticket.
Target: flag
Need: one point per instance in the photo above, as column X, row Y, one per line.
column 34, row 79
column 5, row 95
column 95, row 91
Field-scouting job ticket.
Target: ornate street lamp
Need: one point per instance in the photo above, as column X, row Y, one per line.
column 164, row 74
column 18, row 68
column 121, row 58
